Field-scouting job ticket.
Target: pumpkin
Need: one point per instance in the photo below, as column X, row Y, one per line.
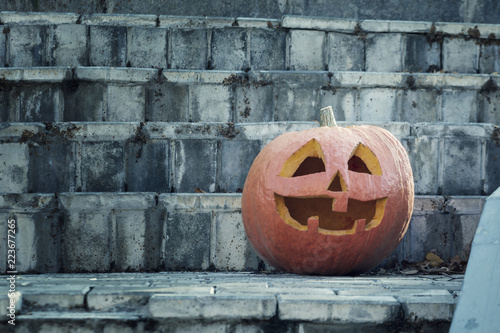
column 328, row 200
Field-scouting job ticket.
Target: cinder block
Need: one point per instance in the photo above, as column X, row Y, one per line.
column 421, row 105
column 229, row 49
column 187, row 240
column 52, row 167
column 37, row 231
column 126, row 103
column 147, row 47
column 28, row 46
column 102, row 167
column 307, row 50
column 210, row 103
column 489, row 105
column 296, row 103
column 131, row 230
column 83, row 101
column 194, row 165
column 424, row 159
column 254, row 103
column 3, row 51
column 13, row 168
column 347, row 52
column 460, row 55
column 86, row 245
column 343, row 102
column 464, row 228
column 147, row 167
column 428, row 307
column 430, row 232
column 462, row 165
column 167, row 102
column 378, row 105
column 108, row 46
column 490, row 59
column 384, row 52
column 40, row 103
column 69, row 45
column 492, row 181
column 460, row 106
column 189, row 48
column 346, row 309
column 236, row 158
column 213, row 307
column 232, row 250
column 420, row 55
column 267, row 49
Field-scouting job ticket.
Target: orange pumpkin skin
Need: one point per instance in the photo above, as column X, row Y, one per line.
column 277, row 200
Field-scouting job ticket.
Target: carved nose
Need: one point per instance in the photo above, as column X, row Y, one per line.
column 337, row 184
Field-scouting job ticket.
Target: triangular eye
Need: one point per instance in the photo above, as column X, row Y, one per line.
column 363, row 160
column 307, row 160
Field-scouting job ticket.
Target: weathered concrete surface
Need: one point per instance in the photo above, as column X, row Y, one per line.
column 229, row 302
column 449, row 10
column 147, row 231
column 479, row 305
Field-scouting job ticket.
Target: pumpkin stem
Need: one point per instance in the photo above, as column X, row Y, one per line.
column 326, row 117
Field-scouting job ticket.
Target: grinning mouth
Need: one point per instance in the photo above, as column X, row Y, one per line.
column 360, row 215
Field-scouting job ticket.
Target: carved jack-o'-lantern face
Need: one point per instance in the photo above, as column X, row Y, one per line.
column 328, row 200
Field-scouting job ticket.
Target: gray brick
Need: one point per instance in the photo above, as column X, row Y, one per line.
column 296, row 103
column 492, row 181
column 147, row 168
column 383, row 52
column 490, row 59
column 307, row 50
column 210, row 103
column 460, row 55
column 83, row 101
column 254, row 103
column 430, row 232
column 229, row 49
column 464, row 228
column 194, row 165
column 462, row 163
column 167, row 102
column 236, row 159
column 52, row 167
column 147, row 47
column 428, row 307
column 28, row 46
column 40, row 103
column 423, row 153
column 421, row 105
column 378, row 105
column 189, row 49
column 420, row 55
column 126, row 103
column 232, row 250
column 69, row 45
column 3, row 54
column 267, row 49
column 188, row 240
column 102, row 167
column 489, row 104
column 14, row 168
column 343, row 102
column 92, row 225
column 460, row 106
column 347, row 52
column 131, row 241
column 220, row 307
column 108, row 46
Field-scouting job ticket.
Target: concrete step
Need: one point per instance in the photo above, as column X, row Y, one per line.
column 229, row 43
column 118, row 232
column 132, row 94
column 446, row 10
column 448, row 159
column 231, row 302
